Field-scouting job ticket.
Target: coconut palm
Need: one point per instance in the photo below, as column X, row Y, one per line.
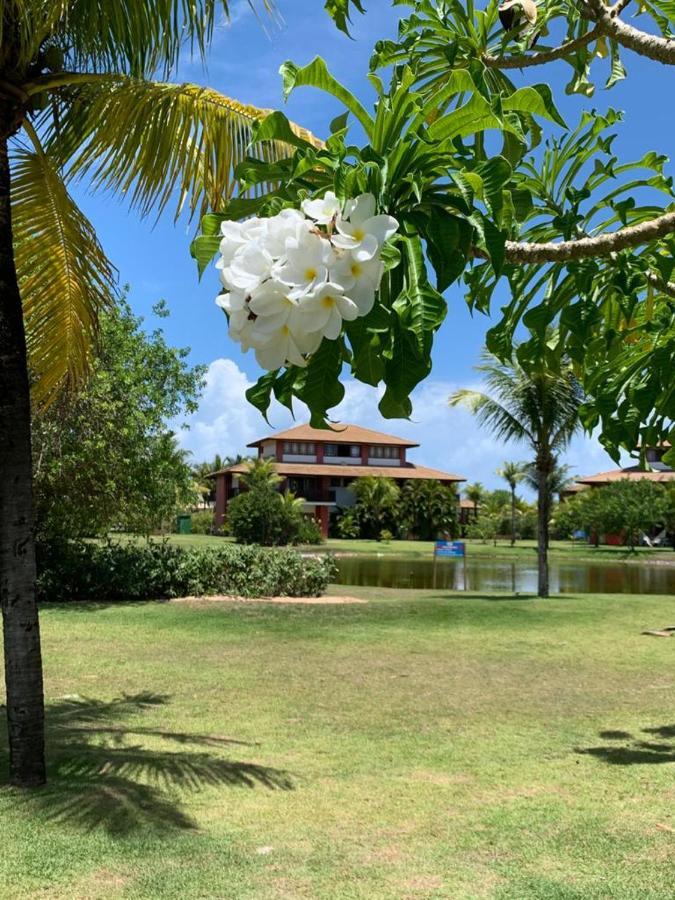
column 535, row 406
column 261, row 472
column 77, row 101
column 475, row 493
column 376, row 498
column 513, row 474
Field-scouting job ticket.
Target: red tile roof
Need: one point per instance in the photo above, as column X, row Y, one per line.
column 408, row 471
column 343, row 434
column 631, row 473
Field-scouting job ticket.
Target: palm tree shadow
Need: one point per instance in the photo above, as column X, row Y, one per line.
column 629, row 750
column 102, row 776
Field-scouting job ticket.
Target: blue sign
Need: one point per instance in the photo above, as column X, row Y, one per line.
column 449, row 548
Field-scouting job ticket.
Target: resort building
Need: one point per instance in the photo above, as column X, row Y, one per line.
column 658, row 471
column 319, row 465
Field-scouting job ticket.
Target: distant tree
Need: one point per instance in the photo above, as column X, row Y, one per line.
column 376, row 503
column 628, row 507
column 536, row 406
column 260, row 473
column 105, row 457
column 428, row 509
column 513, row 474
column 475, row 493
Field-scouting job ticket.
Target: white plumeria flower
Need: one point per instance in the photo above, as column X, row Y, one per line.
column 250, row 266
column 323, row 209
column 282, row 347
column 363, row 232
column 325, row 308
column 237, row 235
column 289, row 224
column 272, row 306
column 306, row 264
column 358, row 279
column 240, row 323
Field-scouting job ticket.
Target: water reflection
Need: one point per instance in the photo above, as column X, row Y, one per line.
column 504, row 575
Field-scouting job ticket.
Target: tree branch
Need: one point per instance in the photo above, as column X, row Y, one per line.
column 666, row 287
column 601, row 245
column 650, row 45
column 545, row 56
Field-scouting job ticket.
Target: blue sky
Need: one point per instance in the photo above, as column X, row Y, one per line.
column 155, row 261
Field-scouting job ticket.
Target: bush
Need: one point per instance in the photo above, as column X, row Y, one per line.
column 202, row 522
column 260, row 516
column 77, row 570
column 309, row 531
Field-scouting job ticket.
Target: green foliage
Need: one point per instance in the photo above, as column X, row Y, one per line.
column 376, row 508
column 428, row 510
column 420, row 170
column 104, row 458
column 468, row 206
column 627, row 506
column 202, row 522
column 100, row 572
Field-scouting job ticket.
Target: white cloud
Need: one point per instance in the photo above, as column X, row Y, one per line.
column 449, row 437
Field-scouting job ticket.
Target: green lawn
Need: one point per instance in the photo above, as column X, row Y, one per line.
column 522, row 550
column 417, row 746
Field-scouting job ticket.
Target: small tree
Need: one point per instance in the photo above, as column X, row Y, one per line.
column 376, row 503
column 534, row 405
column 512, row 473
column 428, row 509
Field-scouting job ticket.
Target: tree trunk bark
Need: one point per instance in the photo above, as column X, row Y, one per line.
column 542, row 530
column 513, row 516
column 23, row 659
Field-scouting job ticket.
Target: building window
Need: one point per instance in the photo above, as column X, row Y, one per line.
column 299, row 448
column 343, row 450
column 384, row 452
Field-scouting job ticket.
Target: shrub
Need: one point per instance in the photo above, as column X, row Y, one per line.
column 77, row 570
column 386, row 536
column 202, row 522
column 260, row 516
column 309, row 531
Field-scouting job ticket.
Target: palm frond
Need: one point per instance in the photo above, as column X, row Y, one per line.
column 493, row 414
column 138, row 37
column 157, row 143
column 64, row 276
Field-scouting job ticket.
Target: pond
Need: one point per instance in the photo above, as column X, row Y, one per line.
column 503, row 575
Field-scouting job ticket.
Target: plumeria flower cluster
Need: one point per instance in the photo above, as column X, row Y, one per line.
column 292, row 279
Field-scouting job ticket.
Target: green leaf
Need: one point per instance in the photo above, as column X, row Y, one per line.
column 476, row 115
column 203, row 248
column 316, row 75
column 276, row 127
column 260, row 394
column 536, row 100
column 420, row 307
column 448, row 240
column 318, row 385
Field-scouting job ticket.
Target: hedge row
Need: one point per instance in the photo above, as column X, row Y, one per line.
column 76, row 570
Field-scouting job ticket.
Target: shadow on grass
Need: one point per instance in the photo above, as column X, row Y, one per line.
column 101, row 775
column 634, row 750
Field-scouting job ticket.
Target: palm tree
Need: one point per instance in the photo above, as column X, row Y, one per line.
column 261, row 472
column 513, row 474
column 536, row 406
column 476, row 494
column 376, row 497
column 77, row 101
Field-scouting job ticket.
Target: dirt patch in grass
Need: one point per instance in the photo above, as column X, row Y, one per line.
column 333, row 600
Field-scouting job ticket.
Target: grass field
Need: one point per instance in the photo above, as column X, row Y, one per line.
column 522, row 550
column 416, row 746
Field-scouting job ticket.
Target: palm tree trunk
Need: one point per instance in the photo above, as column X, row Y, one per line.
column 23, row 659
column 513, row 516
column 542, row 529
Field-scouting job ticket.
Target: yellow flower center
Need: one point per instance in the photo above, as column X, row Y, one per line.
column 310, row 274
column 356, row 270
column 359, row 234
column 284, row 330
column 328, row 301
